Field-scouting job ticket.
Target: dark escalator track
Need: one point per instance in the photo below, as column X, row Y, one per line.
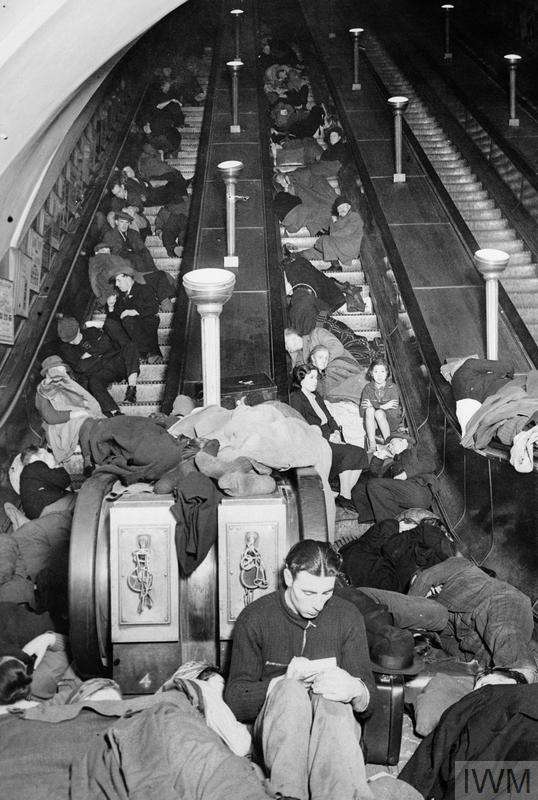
column 418, row 240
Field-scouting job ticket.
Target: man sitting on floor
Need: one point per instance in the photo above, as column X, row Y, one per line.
column 135, row 308
column 304, row 709
column 98, row 357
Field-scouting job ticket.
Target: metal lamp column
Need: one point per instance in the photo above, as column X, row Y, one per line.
column 209, row 289
column 355, row 32
column 513, row 59
column 398, row 105
column 229, row 171
column 234, row 67
column 491, row 264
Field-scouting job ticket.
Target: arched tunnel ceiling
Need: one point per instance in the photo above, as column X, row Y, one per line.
column 54, row 54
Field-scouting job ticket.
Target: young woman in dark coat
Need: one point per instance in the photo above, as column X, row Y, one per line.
column 348, row 459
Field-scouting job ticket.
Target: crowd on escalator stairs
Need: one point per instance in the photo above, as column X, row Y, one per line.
column 290, row 719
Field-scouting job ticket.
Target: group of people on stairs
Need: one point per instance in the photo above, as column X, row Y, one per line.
column 289, row 720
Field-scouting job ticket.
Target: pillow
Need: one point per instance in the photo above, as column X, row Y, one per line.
column 440, row 693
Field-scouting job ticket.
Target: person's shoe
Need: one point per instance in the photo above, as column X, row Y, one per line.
column 246, row 484
column 215, row 467
column 130, row 395
column 166, row 305
column 345, row 502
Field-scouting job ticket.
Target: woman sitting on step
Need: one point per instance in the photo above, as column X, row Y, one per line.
column 343, row 242
column 348, row 460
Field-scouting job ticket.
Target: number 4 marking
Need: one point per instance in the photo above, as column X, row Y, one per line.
column 145, row 681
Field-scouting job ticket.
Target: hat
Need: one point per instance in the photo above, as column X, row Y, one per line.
column 183, row 405
column 101, row 246
column 392, row 651
column 50, row 362
column 68, row 328
column 124, row 215
column 122, row 270
column 341, row 200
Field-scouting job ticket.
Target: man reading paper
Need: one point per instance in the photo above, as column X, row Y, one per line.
column 304, row 714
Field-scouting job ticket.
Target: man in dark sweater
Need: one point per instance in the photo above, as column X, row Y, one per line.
column 43, row 485
column 304, row 709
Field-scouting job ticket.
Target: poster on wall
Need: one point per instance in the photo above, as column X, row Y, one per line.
column 22, row 273
column 56, row 210
column 7, row 317
column 35, row 252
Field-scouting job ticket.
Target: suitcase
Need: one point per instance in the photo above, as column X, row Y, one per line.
column 382, row 732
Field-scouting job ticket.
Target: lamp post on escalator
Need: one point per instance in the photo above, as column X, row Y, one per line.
column 356, row 32
column 236, row 14
column 447, row 8
column 491, row 264
column 229, row 171
column 398, row 105
column 512, row 59
column 209, row 289
column 234, row 67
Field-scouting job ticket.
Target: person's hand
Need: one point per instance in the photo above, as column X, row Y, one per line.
column 300, row 669
column 80, row 412
column 494, row 679
column 129, row 312
column 338, row 685
column 402, row 476
column 86, row 355
column 335, row 437
column 390, row 404
column 39, row 646
column 111, row 301
column 366, row 404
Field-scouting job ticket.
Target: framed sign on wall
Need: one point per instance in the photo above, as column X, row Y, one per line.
column 7, row 316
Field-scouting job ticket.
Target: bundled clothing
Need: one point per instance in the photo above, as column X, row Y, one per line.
column 384, row 558
column 55, row 402
column 40, row 486
column 195, row 511
column 134, row 448
column 149, row 746
column 495, row 724
column 505, row 413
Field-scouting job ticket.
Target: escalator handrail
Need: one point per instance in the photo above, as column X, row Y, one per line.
column 183, row 308
column 273, row 250
column 517, row 159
